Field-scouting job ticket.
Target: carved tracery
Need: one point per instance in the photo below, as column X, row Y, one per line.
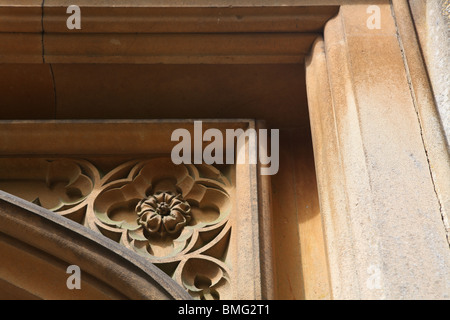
column 176, row 216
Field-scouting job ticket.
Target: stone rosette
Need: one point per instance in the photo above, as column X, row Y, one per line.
column 177, row 216
column 163, row 214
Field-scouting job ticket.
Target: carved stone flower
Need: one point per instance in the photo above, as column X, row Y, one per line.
column 162, row 210
column 163, row 213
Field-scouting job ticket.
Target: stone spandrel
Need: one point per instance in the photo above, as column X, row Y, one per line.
column 176, row 216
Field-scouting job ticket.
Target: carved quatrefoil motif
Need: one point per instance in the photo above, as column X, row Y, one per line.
column 176, row 216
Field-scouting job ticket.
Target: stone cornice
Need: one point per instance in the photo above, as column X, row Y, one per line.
column 32, row 33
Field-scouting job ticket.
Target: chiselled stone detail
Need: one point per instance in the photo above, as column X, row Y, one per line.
column 163, row 214
column 162, row 211
column 176, row 216
column 205, row 279
column 59, row 185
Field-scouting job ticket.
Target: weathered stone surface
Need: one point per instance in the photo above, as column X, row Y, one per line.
column 384, row 230
column 428, row 105
column 381, row 157
column 198, row 224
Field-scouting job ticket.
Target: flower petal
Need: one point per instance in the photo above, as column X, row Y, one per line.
column 174, row 223
column 153, row 224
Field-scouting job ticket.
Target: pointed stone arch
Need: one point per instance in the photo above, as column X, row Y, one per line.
column 38, row 245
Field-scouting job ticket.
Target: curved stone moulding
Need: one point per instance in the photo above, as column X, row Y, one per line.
column 46, row 243
column 175, row 216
